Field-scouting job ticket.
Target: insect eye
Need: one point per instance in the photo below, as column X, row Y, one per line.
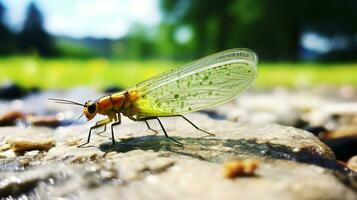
column 91, row 108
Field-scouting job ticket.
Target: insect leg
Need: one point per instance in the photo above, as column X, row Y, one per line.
column 105, row 121
column 105, row 128
column 90, row 131
column 163, row 129
column 211, row 134
column 112, row 127
column 148, row 125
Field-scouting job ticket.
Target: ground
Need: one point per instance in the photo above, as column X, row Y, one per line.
column 39, row 158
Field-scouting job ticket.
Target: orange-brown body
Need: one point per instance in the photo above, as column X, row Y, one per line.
column 110, row 105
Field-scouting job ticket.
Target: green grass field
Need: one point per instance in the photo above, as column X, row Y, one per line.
column 99, row 73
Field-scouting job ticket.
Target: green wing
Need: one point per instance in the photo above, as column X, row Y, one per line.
column 209, row 81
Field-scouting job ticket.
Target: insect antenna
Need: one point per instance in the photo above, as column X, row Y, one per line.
column 77, row 119
column 64, row 101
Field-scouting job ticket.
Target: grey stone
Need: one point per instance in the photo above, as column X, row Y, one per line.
column 294, row 164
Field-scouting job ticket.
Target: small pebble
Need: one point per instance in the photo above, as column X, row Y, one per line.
column 352, row 163
column 72, row 141
column 49, row 121
column 32, row 153
column 5, row 147
column 24, row 162
column 9, row 118
column 236, row 168
column 344, row 131
column 22, row 145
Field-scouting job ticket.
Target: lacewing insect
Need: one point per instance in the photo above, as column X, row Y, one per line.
column 204, row 83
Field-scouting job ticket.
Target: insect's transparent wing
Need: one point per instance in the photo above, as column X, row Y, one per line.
column 206, row 82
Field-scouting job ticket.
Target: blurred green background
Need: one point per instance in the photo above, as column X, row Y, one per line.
column 100, row 43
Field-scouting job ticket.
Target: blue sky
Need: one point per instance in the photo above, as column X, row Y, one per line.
column 81, row 18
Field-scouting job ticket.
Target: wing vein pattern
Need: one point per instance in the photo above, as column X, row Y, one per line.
column 201, row 84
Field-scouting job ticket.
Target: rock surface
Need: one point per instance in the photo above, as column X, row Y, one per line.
column 293, row 164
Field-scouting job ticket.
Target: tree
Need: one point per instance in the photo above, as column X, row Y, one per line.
column 6, row 36
column 273, row 28
column 33, row 38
